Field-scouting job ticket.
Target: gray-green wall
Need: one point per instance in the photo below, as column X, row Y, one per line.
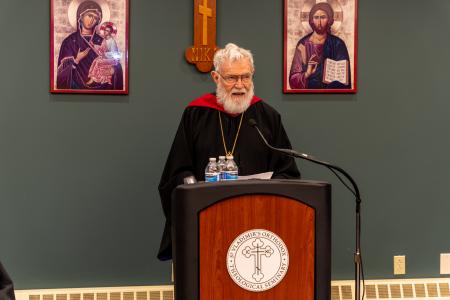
column 79, row 174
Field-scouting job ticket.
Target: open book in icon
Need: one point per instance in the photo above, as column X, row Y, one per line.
column 335, row 70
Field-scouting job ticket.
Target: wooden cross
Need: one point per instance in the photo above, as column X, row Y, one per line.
column 202, row 52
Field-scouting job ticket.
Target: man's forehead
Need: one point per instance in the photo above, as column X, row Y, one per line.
column 239, row 65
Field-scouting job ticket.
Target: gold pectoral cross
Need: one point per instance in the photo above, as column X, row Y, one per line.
column 202, row 52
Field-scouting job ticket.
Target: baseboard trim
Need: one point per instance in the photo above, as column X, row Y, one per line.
column 432, row 288
column 163, row 292
column 423, row 288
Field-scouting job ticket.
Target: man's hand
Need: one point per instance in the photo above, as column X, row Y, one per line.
column 82, row 54
column 312, row 65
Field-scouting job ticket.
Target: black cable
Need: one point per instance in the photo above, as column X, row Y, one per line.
column 342, row 181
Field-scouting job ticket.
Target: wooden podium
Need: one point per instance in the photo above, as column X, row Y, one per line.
column 207, row 218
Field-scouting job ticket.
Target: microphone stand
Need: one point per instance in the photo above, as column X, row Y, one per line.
column 357, row 254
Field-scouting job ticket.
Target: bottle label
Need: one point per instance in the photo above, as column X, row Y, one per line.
column 211, row 178
column 230, row 176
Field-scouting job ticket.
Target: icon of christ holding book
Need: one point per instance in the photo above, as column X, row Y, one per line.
column 321, row 59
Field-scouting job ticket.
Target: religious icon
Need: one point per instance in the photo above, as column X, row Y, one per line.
column 89, row 46
column 320, row 46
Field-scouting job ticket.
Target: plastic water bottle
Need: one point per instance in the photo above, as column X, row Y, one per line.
column 231, row 169
column 221, row 164
column 211, row 172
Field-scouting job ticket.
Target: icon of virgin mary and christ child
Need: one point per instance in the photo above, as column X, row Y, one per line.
column 89, row 58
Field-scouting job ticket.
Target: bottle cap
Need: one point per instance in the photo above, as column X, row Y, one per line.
column 212, row 159
column 221, row 157
column 229, row 157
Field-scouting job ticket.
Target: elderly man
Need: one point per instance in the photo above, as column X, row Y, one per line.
column 313, row 49
column 217, row 124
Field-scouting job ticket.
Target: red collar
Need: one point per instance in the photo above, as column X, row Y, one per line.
column 210, row 101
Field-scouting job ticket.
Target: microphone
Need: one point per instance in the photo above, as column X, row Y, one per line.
column 355, row 192
column 289, row 152
column 311, row 158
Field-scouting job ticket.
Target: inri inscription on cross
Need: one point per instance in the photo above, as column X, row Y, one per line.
column 202, row 52
column 257, row 252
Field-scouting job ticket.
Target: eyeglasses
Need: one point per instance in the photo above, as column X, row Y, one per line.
column 232, row 79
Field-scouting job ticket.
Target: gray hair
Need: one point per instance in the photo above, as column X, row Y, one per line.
column 232, row 52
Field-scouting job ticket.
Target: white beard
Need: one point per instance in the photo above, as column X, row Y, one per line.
column 234, row 104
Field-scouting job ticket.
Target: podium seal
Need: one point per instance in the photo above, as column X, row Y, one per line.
column 257, row 260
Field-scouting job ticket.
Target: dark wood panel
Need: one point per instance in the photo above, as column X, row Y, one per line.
column 221, row 223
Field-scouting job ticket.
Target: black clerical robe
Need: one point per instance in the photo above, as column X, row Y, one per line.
column 6, row 285
column 199, row 137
